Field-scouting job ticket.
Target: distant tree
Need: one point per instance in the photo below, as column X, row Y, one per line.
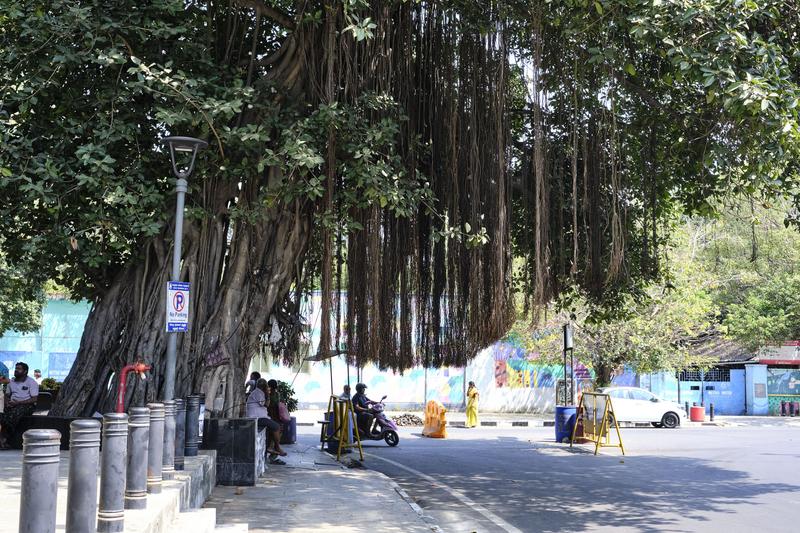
column 747, row 258
column 646, row 334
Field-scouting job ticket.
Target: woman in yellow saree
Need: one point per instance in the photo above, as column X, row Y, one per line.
column 472, row 405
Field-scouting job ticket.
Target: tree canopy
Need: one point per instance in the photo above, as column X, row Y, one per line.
column 20, row 300
column 400, row 153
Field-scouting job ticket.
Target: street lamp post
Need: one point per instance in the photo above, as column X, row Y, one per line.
column 568, row 347
column 185, row 145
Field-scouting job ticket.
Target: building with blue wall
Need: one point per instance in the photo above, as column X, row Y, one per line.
column 51, row 349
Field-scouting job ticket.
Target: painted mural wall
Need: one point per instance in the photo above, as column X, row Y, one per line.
column 508, row 378
column 783, row 384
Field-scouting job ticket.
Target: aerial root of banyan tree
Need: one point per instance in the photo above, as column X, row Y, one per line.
column 403, row 290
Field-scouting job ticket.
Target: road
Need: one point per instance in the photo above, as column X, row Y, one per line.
column 689, row 479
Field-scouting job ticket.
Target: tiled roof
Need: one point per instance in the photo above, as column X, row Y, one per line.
column 714, row 345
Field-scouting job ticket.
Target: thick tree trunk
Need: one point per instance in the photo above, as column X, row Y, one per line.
column 233, row 293
column 603, row 375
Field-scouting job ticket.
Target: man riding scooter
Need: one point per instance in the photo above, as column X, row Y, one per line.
column 362, row 404
column 369, row 413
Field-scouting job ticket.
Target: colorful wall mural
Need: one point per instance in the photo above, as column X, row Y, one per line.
column 514, row 368
column 783, row 384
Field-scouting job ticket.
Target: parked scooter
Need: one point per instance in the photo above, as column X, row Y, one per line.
column 382, row 428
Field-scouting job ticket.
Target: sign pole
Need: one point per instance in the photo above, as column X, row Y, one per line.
column 172, row 339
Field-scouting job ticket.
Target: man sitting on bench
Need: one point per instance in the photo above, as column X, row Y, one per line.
column 20, row 401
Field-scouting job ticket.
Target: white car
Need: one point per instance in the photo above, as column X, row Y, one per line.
column 632, row 404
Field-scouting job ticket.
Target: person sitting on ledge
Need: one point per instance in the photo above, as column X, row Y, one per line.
column 20, row 401
column 257, row 408
column 251, row 384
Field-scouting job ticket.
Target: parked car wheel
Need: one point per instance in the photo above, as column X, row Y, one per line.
column 657, row 424
column 670, row 421
column 392, row 438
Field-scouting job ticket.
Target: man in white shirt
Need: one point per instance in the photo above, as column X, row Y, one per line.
column 20, row 401
column 256, row 407
column 345, row 395
column 37, row 376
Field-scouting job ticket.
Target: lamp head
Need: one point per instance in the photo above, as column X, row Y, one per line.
column 568, row 336
column 187, row 145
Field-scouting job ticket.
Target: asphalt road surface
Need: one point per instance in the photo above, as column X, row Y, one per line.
column 691, row 479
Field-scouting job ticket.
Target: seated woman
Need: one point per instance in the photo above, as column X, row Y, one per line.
column 257, row 408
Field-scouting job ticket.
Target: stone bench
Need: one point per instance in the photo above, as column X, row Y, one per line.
column 240, row 448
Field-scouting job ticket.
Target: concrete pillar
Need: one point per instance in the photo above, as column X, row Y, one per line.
column 192, row 415
column 138, row 443
column 201, row 415
column 757, row 399
column 180, row 432
column 168, row 462
column 111, row 515
column 155, row 448
column 84, row 459
column 40, row 456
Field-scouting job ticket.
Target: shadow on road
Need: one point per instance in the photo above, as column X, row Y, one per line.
column 547, row 489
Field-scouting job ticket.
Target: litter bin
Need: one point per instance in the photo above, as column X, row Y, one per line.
column 697, row 413
column 565, row 422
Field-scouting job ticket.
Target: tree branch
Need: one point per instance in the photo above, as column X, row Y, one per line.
column 274, row 14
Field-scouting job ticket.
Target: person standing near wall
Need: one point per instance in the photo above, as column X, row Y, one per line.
column 472, row 405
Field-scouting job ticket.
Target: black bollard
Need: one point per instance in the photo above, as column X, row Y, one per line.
column 192, row 415
column 686, row 406
column 168, row 460
column 180, row 432
column 138, row 443
column 111, row 515
column 155, row 448
column 711, row 412
column 37, row 504
column 84, row 458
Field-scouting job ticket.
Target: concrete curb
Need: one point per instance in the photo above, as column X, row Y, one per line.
column 417, row 509
column 508, row 424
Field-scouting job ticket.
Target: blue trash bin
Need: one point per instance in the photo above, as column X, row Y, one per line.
column 565, row 422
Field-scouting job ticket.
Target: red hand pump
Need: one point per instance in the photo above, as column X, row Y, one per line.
column 139, row 368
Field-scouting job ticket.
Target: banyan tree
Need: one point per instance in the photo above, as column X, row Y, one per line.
column 418, row 163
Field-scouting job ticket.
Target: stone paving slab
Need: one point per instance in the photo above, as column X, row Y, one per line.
column 314, row 493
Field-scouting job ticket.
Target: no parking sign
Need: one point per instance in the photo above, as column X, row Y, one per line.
column 177, row 306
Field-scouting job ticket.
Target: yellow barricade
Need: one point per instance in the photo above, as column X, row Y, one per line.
column 340, row 426
column 435, row 422
column 595, row 420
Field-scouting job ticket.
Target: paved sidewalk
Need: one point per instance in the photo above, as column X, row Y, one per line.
column 314, row 493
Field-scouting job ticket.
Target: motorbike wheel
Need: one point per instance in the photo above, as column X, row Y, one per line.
column 392, row 438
